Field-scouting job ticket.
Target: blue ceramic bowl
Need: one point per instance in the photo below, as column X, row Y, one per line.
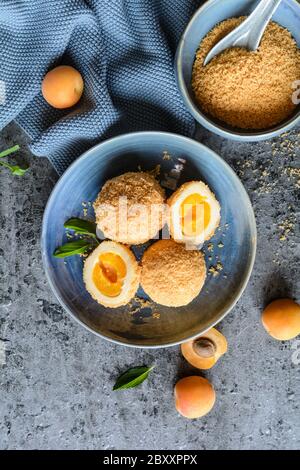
column 82, row 182
column 210, row 14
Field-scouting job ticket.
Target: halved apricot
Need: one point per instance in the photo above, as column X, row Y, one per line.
column 204, row 351
column 194, row 397
column 281, row 319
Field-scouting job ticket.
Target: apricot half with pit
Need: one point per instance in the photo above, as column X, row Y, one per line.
column 194, row 397
column 204, row 351
column 281, row 319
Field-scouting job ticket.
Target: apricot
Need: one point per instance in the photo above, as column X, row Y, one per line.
column 204, row 351
column 62, row 87
column 194, row 397
column 281, row 319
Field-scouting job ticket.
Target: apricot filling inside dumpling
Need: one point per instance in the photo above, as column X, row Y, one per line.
column 195, row 215
column 109, row 274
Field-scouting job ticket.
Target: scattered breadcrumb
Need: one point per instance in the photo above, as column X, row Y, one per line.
column 293, row 173
column 137, row 304
column 276, row 259
column 166, row 155
column 171, row 178
column 215, row 270
column 286, row 145
column 219, row 266
column 286, row 226
column 85, row 206
column 155, row 172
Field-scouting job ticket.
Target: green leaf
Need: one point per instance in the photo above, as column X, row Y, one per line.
column 72, row 248
column 132, row 377
column 81, row 226
column 6, row 152
column 15, row 169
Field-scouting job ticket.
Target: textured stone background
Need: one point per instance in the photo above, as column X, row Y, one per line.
column 55, row 384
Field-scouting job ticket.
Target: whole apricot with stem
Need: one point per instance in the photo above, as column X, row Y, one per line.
column 281, row 319
column 194, row 396
column 62, row 87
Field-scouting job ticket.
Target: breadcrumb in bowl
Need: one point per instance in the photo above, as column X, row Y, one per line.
column 255, row 125
column 172, row 275
column 248, row 89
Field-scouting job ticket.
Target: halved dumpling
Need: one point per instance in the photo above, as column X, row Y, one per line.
column 111, row 274
column 194, row 213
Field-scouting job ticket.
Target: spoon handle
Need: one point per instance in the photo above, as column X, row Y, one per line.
column 249, row 33
column 260, row 19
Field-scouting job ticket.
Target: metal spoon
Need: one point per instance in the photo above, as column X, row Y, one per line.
column 249, row 33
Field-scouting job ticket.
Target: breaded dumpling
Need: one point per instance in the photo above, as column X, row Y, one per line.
column 130, row 208
column 171, row 274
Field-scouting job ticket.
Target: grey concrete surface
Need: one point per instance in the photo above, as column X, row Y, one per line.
column 56, row 378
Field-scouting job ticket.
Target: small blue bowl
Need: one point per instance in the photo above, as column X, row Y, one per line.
column 81, row 183
column 210, row 14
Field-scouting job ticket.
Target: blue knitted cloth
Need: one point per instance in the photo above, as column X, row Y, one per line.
column 125, row 52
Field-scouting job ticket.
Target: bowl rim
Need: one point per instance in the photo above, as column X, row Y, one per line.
column 124, row 138
column 209, row 123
